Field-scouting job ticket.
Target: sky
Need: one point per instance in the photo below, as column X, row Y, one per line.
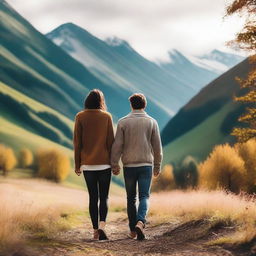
column 152, row 27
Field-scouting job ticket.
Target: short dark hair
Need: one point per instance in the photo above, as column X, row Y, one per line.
column 95, row 100
column 138, row 101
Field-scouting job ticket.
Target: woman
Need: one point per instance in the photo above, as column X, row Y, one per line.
column 93, row 139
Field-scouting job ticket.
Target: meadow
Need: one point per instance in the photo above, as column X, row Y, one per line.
column 29, row 218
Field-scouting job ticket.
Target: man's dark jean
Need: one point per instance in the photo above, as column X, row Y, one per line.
column 142, row 176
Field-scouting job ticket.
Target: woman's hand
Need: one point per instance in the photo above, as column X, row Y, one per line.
column 115, row 171
column 78, row 172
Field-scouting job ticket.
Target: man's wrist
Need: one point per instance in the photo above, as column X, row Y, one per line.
column 157, row 169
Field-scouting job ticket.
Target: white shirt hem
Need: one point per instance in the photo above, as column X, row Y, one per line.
column 98, row 167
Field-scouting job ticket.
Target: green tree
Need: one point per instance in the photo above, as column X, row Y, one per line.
column 246, row 40
column 186, row 173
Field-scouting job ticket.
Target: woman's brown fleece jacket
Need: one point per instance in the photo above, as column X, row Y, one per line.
column 93, row 137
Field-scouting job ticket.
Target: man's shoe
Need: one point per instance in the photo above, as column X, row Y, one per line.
column 132, row 235
column 102, row 232
column 139, row 229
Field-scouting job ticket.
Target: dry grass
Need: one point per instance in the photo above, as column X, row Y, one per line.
column 23, row 214
column 216, row 206
column 39, row 209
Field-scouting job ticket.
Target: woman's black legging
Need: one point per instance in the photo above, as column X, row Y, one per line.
column 98, row 183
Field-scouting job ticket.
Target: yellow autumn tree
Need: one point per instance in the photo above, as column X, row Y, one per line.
column 247, row 152
column 7, row 159
column 53, row 164
column 246, row 40
column 165, row 181
column 223, row 169
column 25, row 157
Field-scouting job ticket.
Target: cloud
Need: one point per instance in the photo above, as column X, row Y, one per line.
column 151, row 27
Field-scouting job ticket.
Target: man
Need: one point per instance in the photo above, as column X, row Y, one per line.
column 138, row 144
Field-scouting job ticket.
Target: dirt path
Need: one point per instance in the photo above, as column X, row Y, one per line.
column 167, row 239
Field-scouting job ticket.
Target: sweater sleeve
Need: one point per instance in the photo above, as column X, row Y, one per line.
column 157, row 147
column 110, row 134
column 77, row 141
column 117, row 147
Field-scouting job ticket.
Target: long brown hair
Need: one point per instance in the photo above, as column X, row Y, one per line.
column 95, row 100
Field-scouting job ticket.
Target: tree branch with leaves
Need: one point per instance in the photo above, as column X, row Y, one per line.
column 246, row 40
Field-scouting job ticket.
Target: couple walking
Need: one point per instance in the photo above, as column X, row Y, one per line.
column 98, row 151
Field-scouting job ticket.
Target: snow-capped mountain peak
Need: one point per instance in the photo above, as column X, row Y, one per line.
column 216, row 61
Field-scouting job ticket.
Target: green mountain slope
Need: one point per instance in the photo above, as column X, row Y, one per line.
column 34, row 117
column 28, row 123
column 207, row 119
column 41, row 89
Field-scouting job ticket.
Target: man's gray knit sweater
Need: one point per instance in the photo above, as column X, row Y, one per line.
column 137, row 141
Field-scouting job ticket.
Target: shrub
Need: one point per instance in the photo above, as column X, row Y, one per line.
column 165, row 181
column 7, row 159
column 224, row 168
column 186, row 174
column 247, row 152
column 2, row 155
column 53, row 164
column 25, row 158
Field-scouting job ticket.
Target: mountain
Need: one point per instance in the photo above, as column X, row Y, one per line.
column 34, row 65
column 200, row 70
column 169, row 85
column 207, row 119
column 115, row 62
column 42, row 86
column 188, row 71
column 220, row 61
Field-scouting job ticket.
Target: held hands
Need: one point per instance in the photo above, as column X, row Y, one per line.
column 78, row 172
column 116, row 170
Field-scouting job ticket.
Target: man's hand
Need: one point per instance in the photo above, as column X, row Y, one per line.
column 116, row 170
column 78, row 172
column 156, row 173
